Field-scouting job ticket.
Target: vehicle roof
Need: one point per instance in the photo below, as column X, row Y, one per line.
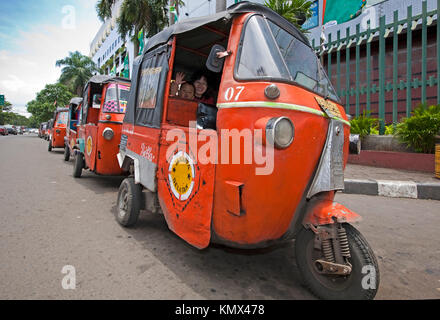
column 241, row 7
column 100, row 79
column 76, row 100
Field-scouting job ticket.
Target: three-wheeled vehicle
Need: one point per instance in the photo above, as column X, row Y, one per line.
column 260, row 167
column 42, row 130
column 99, row 130
column 58, row 130
column 49, row 128
column 72, row 123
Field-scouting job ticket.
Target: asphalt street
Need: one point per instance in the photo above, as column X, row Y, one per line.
column 49, row 220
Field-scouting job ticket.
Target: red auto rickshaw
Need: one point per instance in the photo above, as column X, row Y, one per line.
column 261, row 166
column 72, row 123
column 99, row 130
column 58, row 129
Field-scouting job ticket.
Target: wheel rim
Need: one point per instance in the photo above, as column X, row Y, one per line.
column 123, row 202
column 331, row 282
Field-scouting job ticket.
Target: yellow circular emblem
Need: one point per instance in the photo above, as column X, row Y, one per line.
column 89, row 145
column 181, row 175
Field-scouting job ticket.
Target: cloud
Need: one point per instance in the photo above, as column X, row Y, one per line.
column 30, row 65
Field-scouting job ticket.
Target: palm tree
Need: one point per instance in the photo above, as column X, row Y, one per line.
column 77, row 70
column 295, row 11
column 151, row 16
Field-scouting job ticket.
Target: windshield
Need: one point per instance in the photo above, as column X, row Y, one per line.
column 62, row 118
column 116, row 98
column 269, row 52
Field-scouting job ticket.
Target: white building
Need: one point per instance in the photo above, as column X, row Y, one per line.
column 108, row 48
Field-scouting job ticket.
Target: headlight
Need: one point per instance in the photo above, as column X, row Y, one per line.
column 280, row 132
column 108, row 133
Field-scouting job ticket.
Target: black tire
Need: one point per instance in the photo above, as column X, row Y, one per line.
column 339, row 287
column 49, row 147
column 78, row 165
column 129, row 202
column 66, row 153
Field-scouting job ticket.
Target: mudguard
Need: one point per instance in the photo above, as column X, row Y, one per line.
column 322, row 212
column 81, row 144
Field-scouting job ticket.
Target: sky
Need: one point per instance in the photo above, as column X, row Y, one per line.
column 34, row 34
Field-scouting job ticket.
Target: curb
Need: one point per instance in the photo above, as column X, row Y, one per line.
column 392, row 188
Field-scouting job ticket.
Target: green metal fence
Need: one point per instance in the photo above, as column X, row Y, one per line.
column 353, row 90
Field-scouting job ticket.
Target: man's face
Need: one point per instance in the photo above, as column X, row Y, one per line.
column 186, row 91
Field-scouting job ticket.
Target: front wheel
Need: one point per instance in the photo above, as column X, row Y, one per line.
column 363, row 281
column 78, row 165
column 49, row 147
column 129, row 202
column 66, row 153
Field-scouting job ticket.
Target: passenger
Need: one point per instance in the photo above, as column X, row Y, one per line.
column 186, row 91
column 202, row 92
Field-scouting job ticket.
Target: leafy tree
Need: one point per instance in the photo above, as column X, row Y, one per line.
column 136, row 15
column 295, row 11
column 7, row 107
column 76, row 71
column 47, row 100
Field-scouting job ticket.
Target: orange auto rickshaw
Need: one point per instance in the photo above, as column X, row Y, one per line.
column 71, row 129
column 260, row 167
column 58, row 130
column 100, row 123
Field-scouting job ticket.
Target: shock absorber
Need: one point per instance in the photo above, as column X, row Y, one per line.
column 343, row 242
column 327, row 250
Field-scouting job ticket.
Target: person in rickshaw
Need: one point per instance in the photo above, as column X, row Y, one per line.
column 202, row 91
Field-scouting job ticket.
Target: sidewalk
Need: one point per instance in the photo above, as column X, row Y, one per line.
column 391, row 182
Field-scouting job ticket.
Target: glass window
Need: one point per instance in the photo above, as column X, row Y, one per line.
column 268, row 51
column 259, row 57
column 147, row 88
column 116, row 98
column 61, row 118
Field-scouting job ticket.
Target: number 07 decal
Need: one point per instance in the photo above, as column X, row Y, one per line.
column 230, row 93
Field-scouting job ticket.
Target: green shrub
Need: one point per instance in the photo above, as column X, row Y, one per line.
column 420, row 130
column 364, row 125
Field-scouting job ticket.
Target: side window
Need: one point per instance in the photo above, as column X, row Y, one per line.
column 147, row 88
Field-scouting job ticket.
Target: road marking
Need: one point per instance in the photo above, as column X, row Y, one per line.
column 397, row 189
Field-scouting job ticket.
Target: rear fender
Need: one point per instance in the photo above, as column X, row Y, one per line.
column 81, row 144
column 322, row 213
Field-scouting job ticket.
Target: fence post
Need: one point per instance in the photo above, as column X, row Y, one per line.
column 347, row 75
column 338, row 63
column 357, row 68
column 395, row 64
column 369, row 67
column 382, row 75
column 424, row 47
column 329, row 57
column 408, row 61
column 438, row 52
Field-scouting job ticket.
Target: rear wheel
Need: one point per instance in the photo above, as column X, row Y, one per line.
column 129, row 202
column 363, row 281
column 78, row 165
column 66, row 153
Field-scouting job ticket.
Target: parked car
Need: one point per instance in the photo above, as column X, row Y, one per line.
column 11, row 129
column 3, row 131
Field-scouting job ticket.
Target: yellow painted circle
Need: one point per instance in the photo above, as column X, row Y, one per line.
column 181, row 175
column 89, row 145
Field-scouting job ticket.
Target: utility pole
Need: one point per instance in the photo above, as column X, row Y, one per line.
column 220, row 5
